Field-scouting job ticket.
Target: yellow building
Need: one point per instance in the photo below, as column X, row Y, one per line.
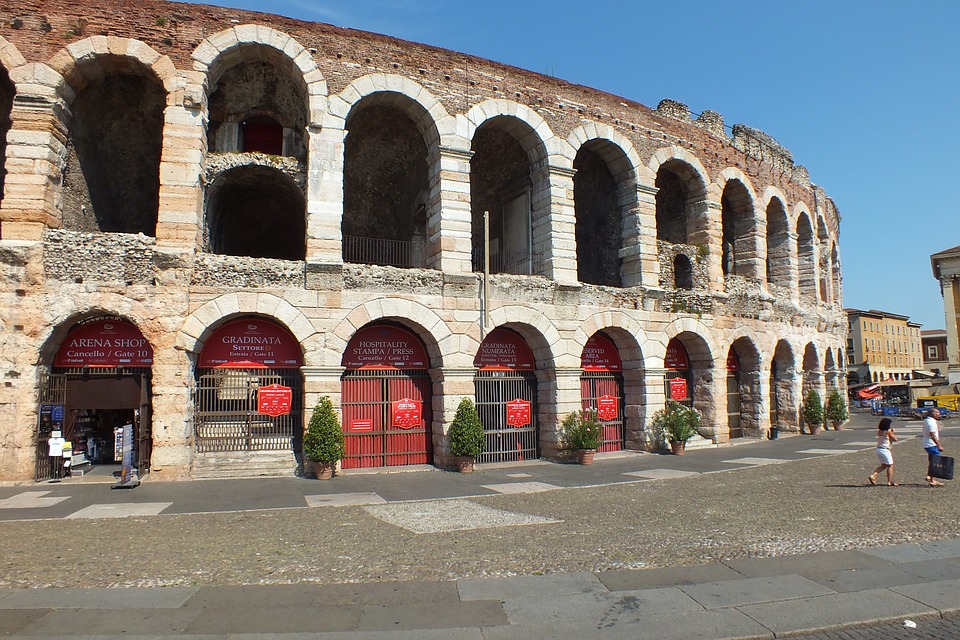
column 882, row 346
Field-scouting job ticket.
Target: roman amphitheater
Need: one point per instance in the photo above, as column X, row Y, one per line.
column 211, row 218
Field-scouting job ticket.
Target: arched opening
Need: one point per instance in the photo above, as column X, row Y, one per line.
column 242, row 364
column 7, row 92
column 671, row 203
column 505, row 389
column 601, row 388
column 385, row 184
column 688, row 366
column 111, row 181
column 598, row 215
column 97, row 394
column 501, row 183
column 386, row 399
column 739, row 243
column 783, row 402
column 258, row 212
column 835, row 272
column 682, row 272
column 806, row 260
column 743, row 389
column 823, row 260
column 812, row 376
column 778, row 244
column 257, row 105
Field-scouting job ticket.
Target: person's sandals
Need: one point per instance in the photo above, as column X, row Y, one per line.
column 872, row 480
column 934, row 483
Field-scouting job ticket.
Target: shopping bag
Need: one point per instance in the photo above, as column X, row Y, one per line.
column 941, row 467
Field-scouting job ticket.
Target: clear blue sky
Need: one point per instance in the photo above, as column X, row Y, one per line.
column 865, row 94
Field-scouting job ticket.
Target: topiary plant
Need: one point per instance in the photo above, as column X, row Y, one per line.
column 323, row 440
column 466, row 431
column 836, row 411
column 813, row 409
column 582, row 430
column 676, row 422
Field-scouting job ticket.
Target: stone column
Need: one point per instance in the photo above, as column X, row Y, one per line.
column 450, row 385
column 639, row 251
column 653, row 382
column 568, row 400
column 36, row 153
column 325, row 195
column 554, row 223
column 449, row 224
column 708, row 233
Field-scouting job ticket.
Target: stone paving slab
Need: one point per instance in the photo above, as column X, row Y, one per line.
column 15, row 620
column 121, row 510
column 596, row 607
column 559, row 584
column 661, row 474
column 273, row 619
column 632, row 579
column 824, row 612
column 910, row 552
column 388, row 593
column 733, row 593
column 940, row 595
column 243, row 596
column 755, row 461
column 478, row 613
column 436, row 516
column 520, row 487
column 719, row 624
column 65, row 623
column 848, row 580
column 821, row 452
column 166, row 598
column 31, row 500
column 933, row 570
column 804, row 564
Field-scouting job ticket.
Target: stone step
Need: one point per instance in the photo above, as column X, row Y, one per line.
column 243, row 464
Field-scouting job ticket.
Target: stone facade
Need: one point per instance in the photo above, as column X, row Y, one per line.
column 188, row 165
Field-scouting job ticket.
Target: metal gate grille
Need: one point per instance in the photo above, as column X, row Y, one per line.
column 227, row 416
column 505, row 443
column 733, row 404
column 53, row 389
column 372, row 440
column 594, row 384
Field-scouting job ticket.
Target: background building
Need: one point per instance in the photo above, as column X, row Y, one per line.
column 205, row 209
column 935, row 351
column 882, row 346
column 946, row 269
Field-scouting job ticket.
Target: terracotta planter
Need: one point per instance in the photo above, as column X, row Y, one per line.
column 322, row 470
column 814, row 429
column 465, row 464
column 585, row 456
column 836, row 424
column 678, row 448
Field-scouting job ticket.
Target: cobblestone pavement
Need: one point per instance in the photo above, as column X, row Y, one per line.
column 811, row 505
column 945, row 628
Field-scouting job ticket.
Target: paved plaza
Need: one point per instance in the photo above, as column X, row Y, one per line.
column 752, row 540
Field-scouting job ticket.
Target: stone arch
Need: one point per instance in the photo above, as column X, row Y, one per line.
column 59, row 326
column 825, row 283
column 539, row 332
column 779, row 265
column 682, row 208
column 628, row 163
column 740, row 253
column 812, row 373
column 440, row 342
column 10, row 59
column 246, row 42
column 535, row 137
column 199, row 325
column 510, row 179
column 85, row 61
column 784, row 393
column 744, row 388
column 835, row 274
column 806, row 257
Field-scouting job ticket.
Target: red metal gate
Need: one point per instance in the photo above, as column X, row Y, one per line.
column 375, row 435
column 505, row 442
column 595, row 385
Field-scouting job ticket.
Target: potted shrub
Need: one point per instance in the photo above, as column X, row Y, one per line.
column 676, row 423
column 836, row 411
column 323, row 440
column 582, row 432
column 812, row 412
column 466, row 436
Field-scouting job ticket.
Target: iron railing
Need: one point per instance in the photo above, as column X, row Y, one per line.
column 385, row 253
column 519, row 263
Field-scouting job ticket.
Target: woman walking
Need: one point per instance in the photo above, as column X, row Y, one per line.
column 931, row 441
column 885, row 438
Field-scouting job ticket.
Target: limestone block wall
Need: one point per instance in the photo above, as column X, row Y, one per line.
column 777, row 304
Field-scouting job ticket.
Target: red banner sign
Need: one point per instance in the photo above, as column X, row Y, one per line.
column 678, row 389
column 384, row 346
column 504, row 350
column 251, row 342
column 607, row 407
column 104, row 343
column 600, row 354
column 406, row 413
column 518, row 412
column 274, row 400
column 676, row 356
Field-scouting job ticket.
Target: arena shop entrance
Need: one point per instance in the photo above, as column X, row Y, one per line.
column 249, row 389
column 601, row 389
column 386, row 398
column 678, row 376
column 99, row 382
column 505, row 387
